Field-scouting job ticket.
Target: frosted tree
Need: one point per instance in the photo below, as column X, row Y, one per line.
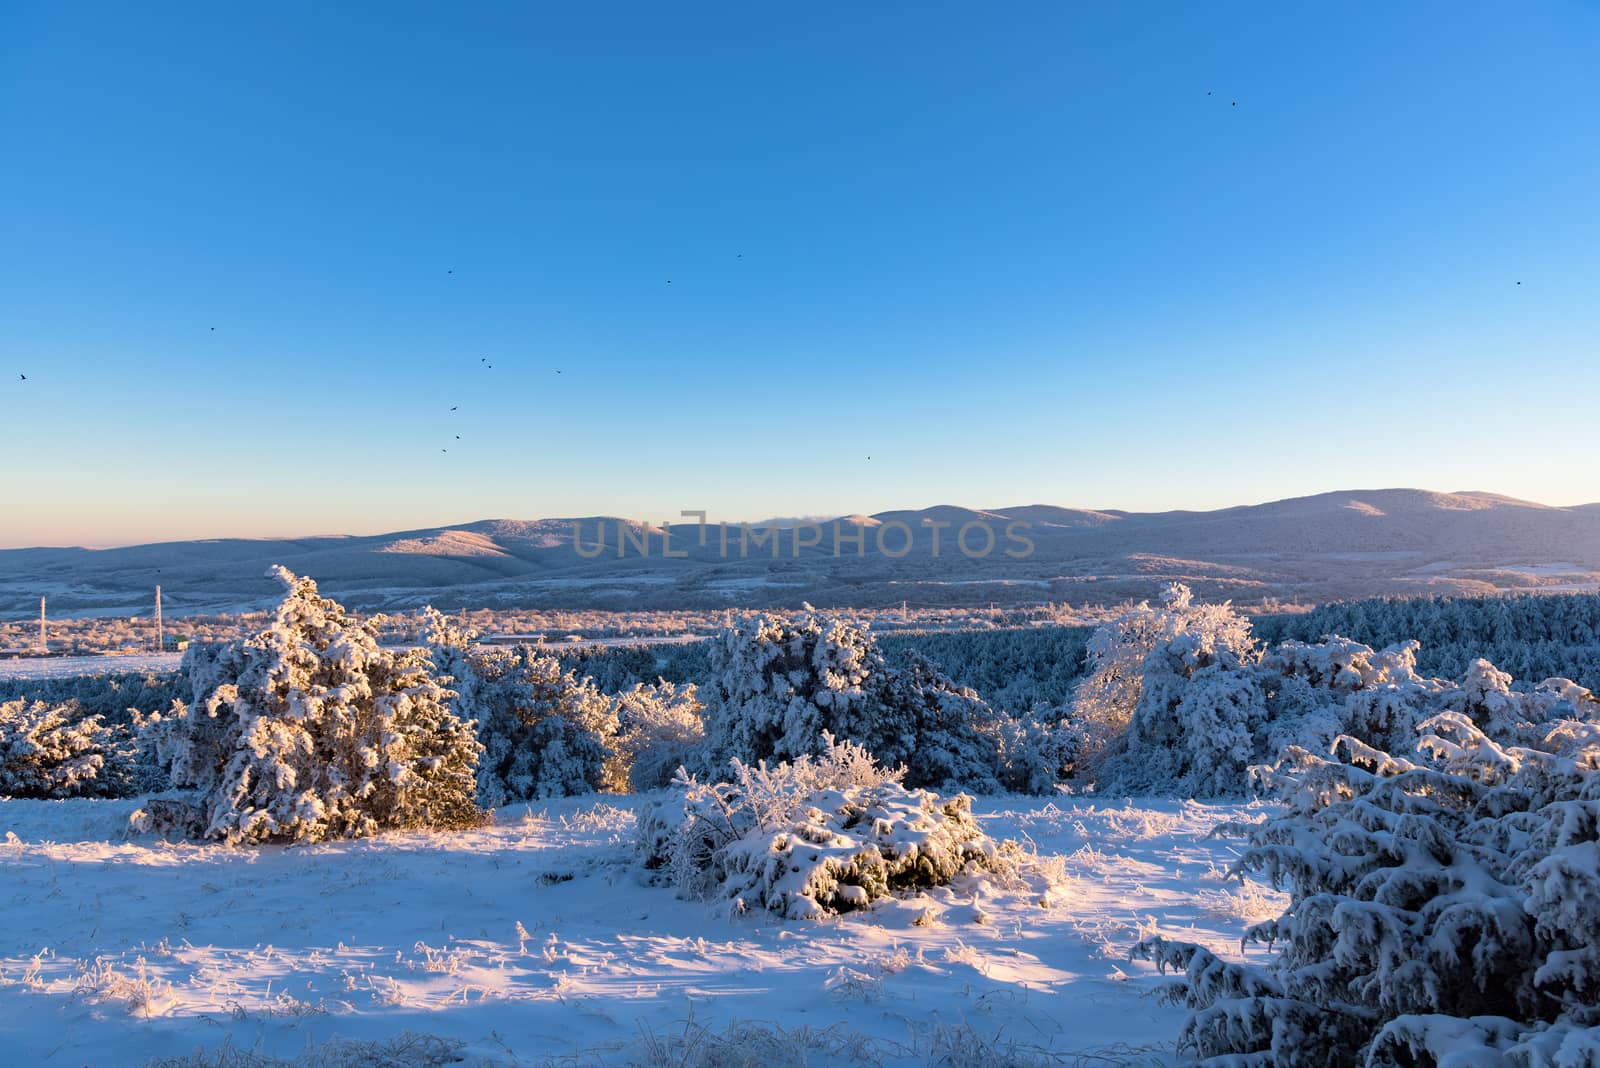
column 1444, row 908
column 1146, row 655
column 1208, row 705
column 659, row 730
column 948, row 737
column 55, row 751
column 1137, row 703
column 777, row 687
column 545, row 731
column 311, row 730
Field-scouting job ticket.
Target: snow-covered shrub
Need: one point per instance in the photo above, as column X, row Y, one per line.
column 545, row 731
column 1392, row 699
column 1145, row 655
column 55, row 751
column 311, row 730
column 812, row 837
column 1208, row 705
column 1173, row 701
column 659, row 730
column 1040, row 750
column 1442, row 905
column 778, row 686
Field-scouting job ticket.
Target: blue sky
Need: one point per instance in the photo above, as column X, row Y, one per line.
column 1013, row 253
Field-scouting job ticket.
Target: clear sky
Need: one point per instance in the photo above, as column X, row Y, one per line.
column 251, row 255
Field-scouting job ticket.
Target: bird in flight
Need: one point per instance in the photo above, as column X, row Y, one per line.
column 25, row 377
column 1234, row 104
column 453, row 407
column 213, row 329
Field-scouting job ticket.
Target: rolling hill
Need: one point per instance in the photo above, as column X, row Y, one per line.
column 1345, row 544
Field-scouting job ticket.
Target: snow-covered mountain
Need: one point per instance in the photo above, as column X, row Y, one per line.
column 1344, row 544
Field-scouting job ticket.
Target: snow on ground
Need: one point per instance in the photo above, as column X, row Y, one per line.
column 61, row 667
column 534, row 941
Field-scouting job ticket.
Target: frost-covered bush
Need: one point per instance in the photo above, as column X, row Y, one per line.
column 55, row 751
column 1038, row 750
column 1172, row 701
column 311, row 730
column 545, row 731
column 1145, row 655
column 812, row 837
column 1207, row 704
column 659, row 730
column 777, row 686
column 1445, row 907
column 1199, row 734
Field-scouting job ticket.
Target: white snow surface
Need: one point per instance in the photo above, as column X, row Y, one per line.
column 535, row 940
column 66, row 667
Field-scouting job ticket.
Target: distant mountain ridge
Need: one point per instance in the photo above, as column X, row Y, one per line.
column 1342, row 544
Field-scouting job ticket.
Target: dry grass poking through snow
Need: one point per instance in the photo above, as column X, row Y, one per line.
column 1248, row 904
column 405, row 1051
column 689, row 1044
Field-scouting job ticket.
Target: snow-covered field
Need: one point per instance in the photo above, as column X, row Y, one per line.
column 66, row 667
column 534, row 941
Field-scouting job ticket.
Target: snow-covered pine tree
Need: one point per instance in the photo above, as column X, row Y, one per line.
column 778, row 686
column 55, row 751
column 1208, row 705
column 1445, row 907
column 545, row 731
column 947, row 737
column 311, row 730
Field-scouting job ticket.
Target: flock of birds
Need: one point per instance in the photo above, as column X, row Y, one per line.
column 489, row 366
